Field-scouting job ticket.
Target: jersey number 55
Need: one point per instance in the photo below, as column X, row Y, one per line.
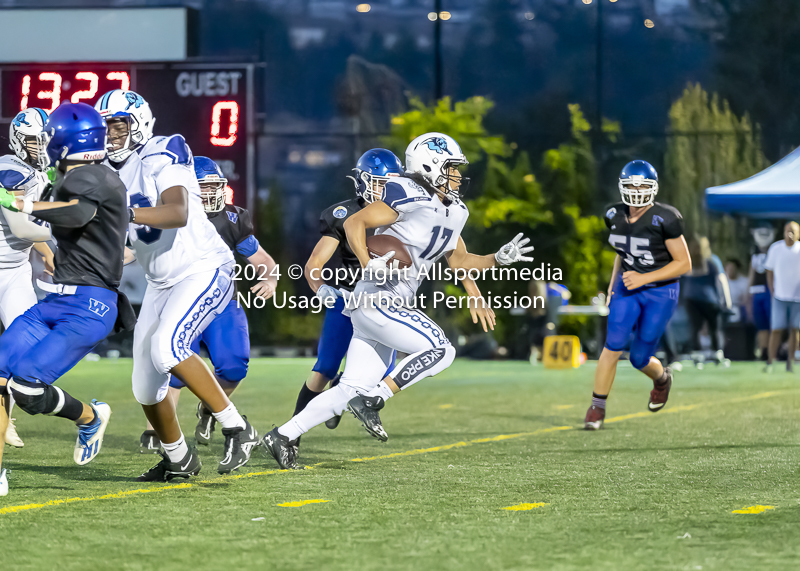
column 632, row 248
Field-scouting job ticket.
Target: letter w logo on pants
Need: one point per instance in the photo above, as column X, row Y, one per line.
column 97, row 307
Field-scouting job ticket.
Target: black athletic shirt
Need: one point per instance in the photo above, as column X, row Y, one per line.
column 235, row 226
column 642, row 245
column 331, row 223
column 90, row 255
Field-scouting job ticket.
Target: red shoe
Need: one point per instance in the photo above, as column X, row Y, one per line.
column 594, row 418
column 660, row 393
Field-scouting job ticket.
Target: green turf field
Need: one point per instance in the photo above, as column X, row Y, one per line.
column 651, row 491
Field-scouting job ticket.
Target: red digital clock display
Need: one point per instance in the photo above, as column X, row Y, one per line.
column 206, row 103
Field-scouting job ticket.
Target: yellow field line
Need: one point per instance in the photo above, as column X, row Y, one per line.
column 416, row 452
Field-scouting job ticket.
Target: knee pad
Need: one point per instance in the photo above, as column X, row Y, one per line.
column 232, row 373
column 641, row 352
column 231, row 366
column 149, row 387
column 423, row 364
column 175, row 382
column 167, row 349
column 36, row 397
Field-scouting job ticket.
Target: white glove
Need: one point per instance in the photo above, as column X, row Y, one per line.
column 328, row 294
column 513, row 251
column 376, row 268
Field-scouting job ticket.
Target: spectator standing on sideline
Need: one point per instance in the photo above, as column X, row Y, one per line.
column 760, row 298
column 738, row 284
column 707, row 295
column 783, row 279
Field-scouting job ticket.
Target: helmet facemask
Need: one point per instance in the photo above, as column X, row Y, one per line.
column 33, row 150
column 121, row 134
column 452, row 179
column 36, row 148
column 763, row 237
column 212, row 192
column 638, row 191
column 369, row 186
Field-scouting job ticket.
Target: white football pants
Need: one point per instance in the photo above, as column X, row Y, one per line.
column 377, row 332
column 16, row 293
column 169, row 321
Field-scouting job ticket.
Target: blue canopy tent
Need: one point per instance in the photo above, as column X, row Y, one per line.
column 772, row 193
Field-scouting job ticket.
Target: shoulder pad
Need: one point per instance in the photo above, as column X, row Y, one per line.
column 611, row 210
column 15, row 173
column 402, row 191
column 173, row 148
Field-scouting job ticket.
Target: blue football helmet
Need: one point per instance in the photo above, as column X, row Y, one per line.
column 373, row 169
column 638, row 184
column 74, row 132
column 212, row 183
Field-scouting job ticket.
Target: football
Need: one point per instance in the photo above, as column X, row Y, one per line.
column 381, row 244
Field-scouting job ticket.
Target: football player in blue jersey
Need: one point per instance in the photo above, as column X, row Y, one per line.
column 88, row 219
column 651, row 256
column 226, row 338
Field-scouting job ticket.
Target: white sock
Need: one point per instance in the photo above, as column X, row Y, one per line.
column 177, row 450
column 324, row 407
column 382, row 390
column 10, row 401
column 229, row 417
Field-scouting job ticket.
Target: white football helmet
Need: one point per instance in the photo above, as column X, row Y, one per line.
column 135, row 111
column 763, row 236
column 24, row 139
column 430, row 155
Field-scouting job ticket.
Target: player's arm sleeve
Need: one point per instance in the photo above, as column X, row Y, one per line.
column 176, row 169
column 673, row 225
column 84, row 191
column 325, row 228
column 610, row 211
column 396, row 197
column 246, row 242
column 769, row 262
column 23, row 227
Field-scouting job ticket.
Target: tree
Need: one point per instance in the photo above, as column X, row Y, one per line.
column 758, row 55
column 708, row 145
column 570, row 180
column 507, row 189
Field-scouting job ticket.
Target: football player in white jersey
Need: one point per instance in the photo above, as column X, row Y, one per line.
column 23, row 174
column 189, row 271
column 424, row 211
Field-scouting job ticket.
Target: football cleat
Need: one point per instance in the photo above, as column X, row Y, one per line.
column 149, row 442
column 366, row 410
column 90, row 436
column 239, row 444
column 660, row 393
column 12, row 438
column 295, row 446
column 205, row 425
column 3, row 483
column 279, row 447
column 595, row 417
column 166, row 470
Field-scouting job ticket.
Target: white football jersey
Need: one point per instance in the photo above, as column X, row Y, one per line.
column 17, row 175
column 427, row 227
column 168, row 256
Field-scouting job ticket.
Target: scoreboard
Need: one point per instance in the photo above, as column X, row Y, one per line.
column 211, row 105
